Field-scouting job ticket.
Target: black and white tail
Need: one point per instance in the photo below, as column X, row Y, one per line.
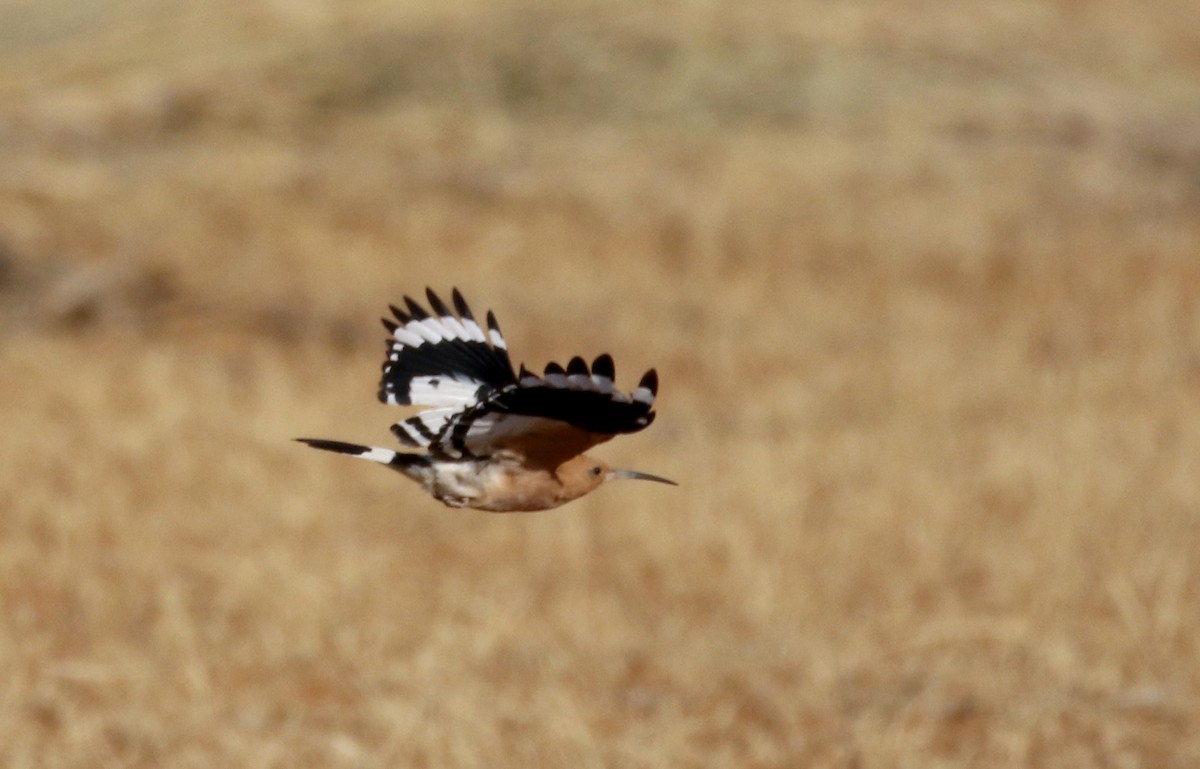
column 394, row 459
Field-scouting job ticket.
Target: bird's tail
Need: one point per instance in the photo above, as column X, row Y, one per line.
column 394, row 459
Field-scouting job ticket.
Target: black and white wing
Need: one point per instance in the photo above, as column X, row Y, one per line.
column 553, row 417
column 443, row 359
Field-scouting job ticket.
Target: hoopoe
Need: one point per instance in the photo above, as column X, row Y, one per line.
column 493, row 439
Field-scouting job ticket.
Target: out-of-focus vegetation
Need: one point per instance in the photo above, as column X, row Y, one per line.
column 921, row 281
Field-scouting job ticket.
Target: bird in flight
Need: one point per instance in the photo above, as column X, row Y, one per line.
column 493, row 439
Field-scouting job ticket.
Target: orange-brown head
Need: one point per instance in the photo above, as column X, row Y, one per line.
column 583, row 474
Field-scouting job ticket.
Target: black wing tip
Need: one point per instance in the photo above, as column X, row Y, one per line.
column 390, row 325
column 650, row 381
column 492, row 324
column 401, row 315
column 460, row 305
column 416, row 310
column 603, row 366
column 436, row 304
column 553, row 368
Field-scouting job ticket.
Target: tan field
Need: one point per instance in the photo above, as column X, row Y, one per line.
column 921, row 281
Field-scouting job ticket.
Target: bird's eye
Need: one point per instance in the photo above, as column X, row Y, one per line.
column 596, row 471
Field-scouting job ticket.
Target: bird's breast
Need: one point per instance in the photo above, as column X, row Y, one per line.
column 496, row 486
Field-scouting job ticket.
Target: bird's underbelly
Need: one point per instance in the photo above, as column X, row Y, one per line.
column 494, row 486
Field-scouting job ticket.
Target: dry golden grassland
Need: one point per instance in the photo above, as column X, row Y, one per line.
column 922, row 282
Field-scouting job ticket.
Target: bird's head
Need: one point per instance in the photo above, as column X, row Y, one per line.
column 582, row 474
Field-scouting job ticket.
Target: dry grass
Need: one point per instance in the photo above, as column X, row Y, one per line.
column 922, row 282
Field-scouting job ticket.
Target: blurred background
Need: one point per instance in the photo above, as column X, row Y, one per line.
column 921, row 281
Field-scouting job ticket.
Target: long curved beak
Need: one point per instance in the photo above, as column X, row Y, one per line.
column 639, row 476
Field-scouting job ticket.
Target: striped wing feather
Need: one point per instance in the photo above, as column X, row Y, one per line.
column 443, row 358
column 562, row 413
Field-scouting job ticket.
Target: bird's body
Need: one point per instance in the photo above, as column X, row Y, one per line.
column 495, row 440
